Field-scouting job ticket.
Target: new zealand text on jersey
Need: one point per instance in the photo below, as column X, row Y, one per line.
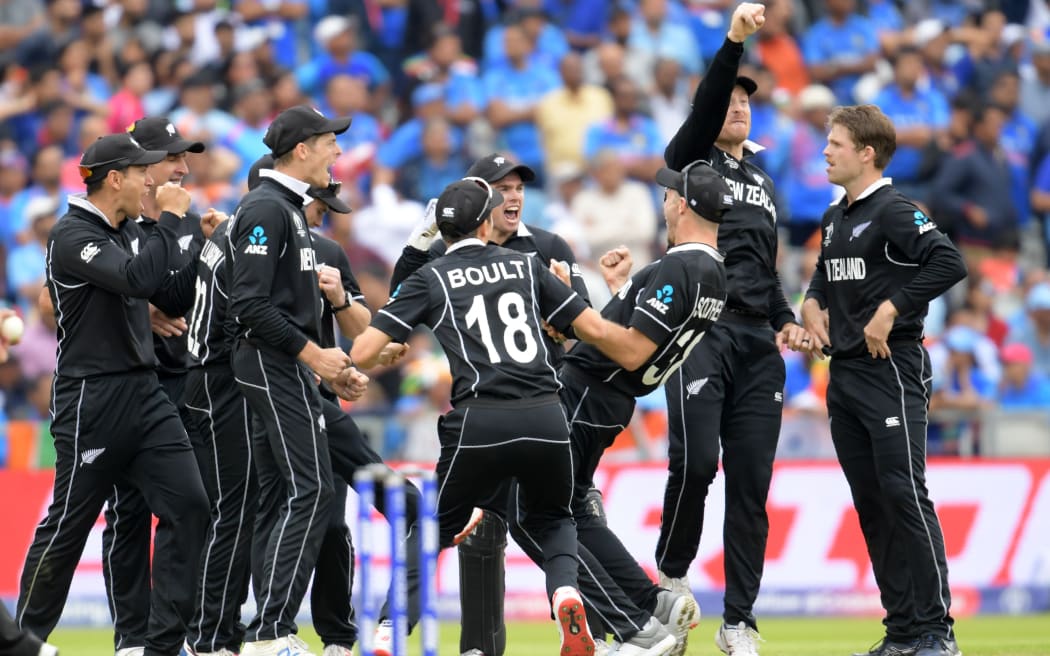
column 846, row 268
column 489, row 273
column 752, row 195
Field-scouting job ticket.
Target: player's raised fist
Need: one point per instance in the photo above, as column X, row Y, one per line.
column 747, row 19
column 173, row 198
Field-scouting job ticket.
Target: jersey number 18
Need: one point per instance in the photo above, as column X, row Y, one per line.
column 510, row 307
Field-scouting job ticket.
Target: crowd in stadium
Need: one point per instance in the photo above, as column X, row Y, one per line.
column 585, row 92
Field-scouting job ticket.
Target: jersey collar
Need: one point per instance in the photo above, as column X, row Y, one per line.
column 80, row 201
column 694, row 246
column 294, row 185
column 469, row 241
column 523, row 230
column 873, row 187
column 753, row 147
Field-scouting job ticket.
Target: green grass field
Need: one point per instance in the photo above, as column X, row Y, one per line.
column 978, row 636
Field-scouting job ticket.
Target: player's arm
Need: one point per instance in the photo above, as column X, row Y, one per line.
column 175, row 297
column 914, row 234
column 87, row 253
column 563, row 307
column 702, row 126
column 407, row 308
column 560, row 251
column 256, row 241
column 342, row 292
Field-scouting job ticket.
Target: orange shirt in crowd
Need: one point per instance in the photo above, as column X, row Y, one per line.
column 782, row 56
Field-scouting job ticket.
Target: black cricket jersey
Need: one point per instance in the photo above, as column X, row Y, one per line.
column 274, row 298
column 673, row 301
column 880, row 247
column 208, row 338
column 328, row 252
column 484, row 305
column 171, row 351
column 748, row 234
column 101, row 280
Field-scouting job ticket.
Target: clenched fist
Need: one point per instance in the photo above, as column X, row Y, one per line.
column 173, row 198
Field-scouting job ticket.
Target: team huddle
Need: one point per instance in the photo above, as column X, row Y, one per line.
column 199, row 374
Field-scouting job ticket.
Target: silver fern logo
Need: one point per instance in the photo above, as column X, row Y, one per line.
column 90, row 456
column 693, row 388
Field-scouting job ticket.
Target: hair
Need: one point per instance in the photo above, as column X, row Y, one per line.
column 450, row 235
column 869, row 127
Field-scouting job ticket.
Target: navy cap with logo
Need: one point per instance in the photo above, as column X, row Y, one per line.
column 749, row 85
column 464, row 205
column 296, row 125
column 115, row 152
column 158, row 133
column 494, row 167
column 328, row 195
column 705, row 191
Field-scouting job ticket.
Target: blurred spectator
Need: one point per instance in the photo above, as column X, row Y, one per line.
column 252, row 108
column 287, row 94
column 41, row 46
column 614, row 210
column 1033, row 330
column 1022, row 388
column 566, row 181
column 211, row 180
column 654, row 33
column 888, row 22
column 548, row 44
column 46, row 174
column 972, row 191
column 806, row 185
column 778, row 49
column 632, row 135
column 582, row 21
column 84, row 90
column 378, row 231
column 25, row 263
column 14, row 173
column 92, row 128
column 125, row 107
column 406, row 143
column 770, row 127
column 337, row 35
column 960, row 391
column 444, row 63
column 670, row 100
column 513, row 91
column 18, row 20
column 563, row 115
column 132, row 29
column 197, row 117
column 841, row 47
column 920, row 116
column 616, row 56
column 1035, row 85
column 980, row 299
column 708, row 21
column 59, row 128
column 348, row 96
column 279, row 20
column 933, row 39
column 437, row 166
column 1017, row 140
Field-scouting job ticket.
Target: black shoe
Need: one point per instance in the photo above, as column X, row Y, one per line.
column 935, row 645
column 887, row 647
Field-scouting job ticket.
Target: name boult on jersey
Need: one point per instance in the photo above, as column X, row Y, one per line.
column 490, row 273
column 752, row 195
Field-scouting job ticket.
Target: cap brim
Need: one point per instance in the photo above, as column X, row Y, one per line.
column 180, row 146
column 336, row 125
column 747, row 84
column 668, row 178
column 336, row 204
column 149, row 157
column 526, row 173
column 497, row 197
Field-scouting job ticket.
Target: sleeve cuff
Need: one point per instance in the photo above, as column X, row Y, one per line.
column 818, row 297
column 779, row 321
column 903, row 303
column 731, row 48
column 169, row 221
column 296, row 343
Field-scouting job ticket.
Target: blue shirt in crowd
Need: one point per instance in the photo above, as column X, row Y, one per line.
column 523, row 87
column 640, row 139
column 853, row 40
column 926, row 107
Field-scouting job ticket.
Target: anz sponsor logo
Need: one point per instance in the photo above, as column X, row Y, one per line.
column 752, row 195
column 661, row 302
column 840, row 269
column 924, row 222
column 257, row 242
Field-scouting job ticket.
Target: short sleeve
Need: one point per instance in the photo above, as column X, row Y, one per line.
column 408, row 307
column 663, row 303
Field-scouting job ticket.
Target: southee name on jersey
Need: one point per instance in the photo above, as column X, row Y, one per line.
column 490, row 273
column 845, row 268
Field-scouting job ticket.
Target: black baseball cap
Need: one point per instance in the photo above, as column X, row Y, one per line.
column 158, row 133
column 496, row 167
column 328, row 195
column 749, row 85
column 464, row 205
column 115, row 152
column 296, row 125
column 703, row 188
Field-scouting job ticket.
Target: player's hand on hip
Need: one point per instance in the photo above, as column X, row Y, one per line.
column 747, row 18
column 392, row 353
column 815, row 321
column 794, row 337
column 877, row 332
column 166, row 326
column 331, row 284
column 210, row 220
column 173, row 198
